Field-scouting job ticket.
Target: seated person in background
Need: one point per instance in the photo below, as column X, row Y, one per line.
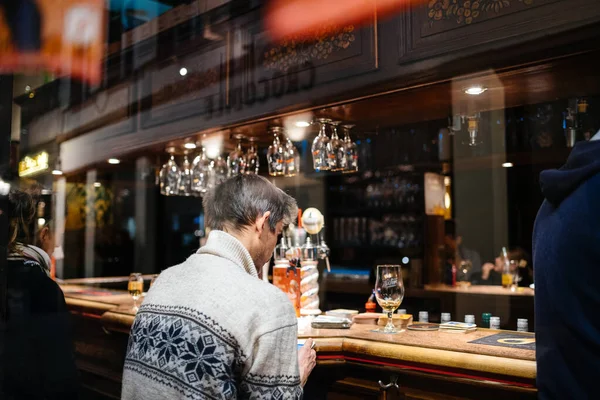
column 457, row 253
column 491, row 274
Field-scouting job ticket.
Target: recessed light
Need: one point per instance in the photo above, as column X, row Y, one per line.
column 507, row 165
column 190, row 146
column 97, row 184
column 114, row 161
column 475, row 90
column 183, row 71
column 57, row 172
column 405, row 260
column 41, row 222
column 302, row 124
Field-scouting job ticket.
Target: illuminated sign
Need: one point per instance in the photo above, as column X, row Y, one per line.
column 31, row 165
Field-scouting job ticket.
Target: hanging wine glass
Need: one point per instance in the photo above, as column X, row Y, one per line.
column 275, row 154
column 236, row 161
column 201, row 170
column 291, row 158
column 252, row 159
column 185, row 177
column 169, row 177
column 220, row 171
column 335, row 150
column 351, row 150
column 320, row 147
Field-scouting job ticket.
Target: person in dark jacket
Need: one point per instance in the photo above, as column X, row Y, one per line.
column 38, row 360
column 566, row 265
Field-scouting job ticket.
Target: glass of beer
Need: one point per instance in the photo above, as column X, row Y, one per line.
column 389, row 292
column 135, row 288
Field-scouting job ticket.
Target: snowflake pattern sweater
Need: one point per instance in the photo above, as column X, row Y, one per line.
column 211, row 329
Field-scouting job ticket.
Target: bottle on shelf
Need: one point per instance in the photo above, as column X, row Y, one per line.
column 507, row 276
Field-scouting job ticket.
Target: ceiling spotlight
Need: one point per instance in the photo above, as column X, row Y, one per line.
column 57, row 172
column 183, row 71
column 97, row 184
column 507, row 165
column 475, row 90
column 190, row 146
column 114, row 161
column 302, row 124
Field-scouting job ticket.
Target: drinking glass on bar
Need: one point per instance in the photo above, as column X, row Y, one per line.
column 135, row 286
column 336, row 150
column 252, row 159
column 236, row 161
column 320, row 146
column 275, row 154
column 389, row 292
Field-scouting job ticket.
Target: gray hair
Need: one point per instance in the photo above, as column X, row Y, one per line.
column 237, row 202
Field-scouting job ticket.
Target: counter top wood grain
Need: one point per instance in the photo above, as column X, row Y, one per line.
column 441, row 352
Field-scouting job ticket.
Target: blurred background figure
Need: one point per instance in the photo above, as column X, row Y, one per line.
column 39, row 360
column 466, row 260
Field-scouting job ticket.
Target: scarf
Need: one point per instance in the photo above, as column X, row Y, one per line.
column 30, row 252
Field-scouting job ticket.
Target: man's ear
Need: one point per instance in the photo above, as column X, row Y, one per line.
column 262, row 221
column 44, row 232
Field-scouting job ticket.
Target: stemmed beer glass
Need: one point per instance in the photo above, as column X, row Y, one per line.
column 389, row 292
column 135, row 286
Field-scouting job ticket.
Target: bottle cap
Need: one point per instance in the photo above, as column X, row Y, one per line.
column 486, row 315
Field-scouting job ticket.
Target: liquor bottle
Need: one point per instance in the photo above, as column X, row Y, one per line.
column 507, row 276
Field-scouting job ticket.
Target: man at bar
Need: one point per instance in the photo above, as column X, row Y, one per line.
column 566, row 265
column 210, row 328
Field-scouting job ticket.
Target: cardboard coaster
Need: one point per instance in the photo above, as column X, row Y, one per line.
column 423, row 327
column 513, row 340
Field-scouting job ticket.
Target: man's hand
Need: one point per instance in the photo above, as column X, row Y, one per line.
column 307, row 359
column 486, row 269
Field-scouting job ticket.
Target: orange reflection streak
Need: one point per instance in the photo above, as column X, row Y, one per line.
column 302, row 17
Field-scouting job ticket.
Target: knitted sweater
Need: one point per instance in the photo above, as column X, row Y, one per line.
column 211, row 329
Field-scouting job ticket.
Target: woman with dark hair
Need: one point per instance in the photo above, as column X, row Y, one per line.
column 38, row 358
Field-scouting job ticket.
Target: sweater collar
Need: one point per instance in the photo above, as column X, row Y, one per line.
column 222, row 244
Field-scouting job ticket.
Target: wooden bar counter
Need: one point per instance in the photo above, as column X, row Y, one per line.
column 353, row 363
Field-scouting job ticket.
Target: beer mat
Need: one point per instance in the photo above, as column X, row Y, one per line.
column 457, row 325
column 93, row 292
column 514, row 340
column 423, row 327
